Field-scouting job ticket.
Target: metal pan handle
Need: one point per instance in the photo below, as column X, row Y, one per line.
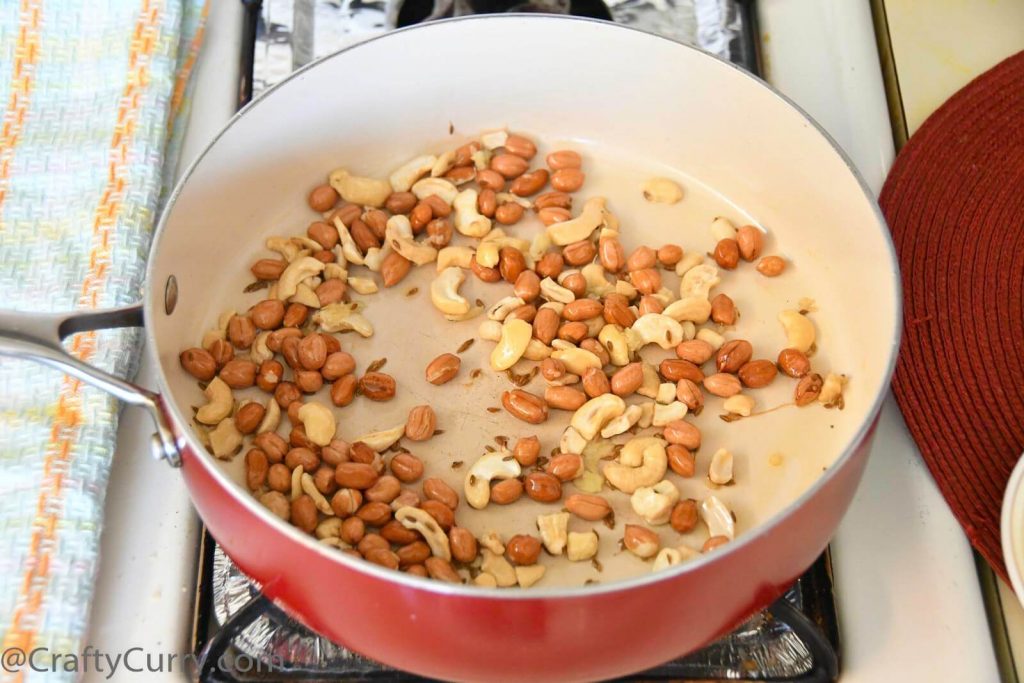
column 37, row 337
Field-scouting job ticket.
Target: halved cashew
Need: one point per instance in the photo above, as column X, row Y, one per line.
column 597, row 284
column 718, row 518
column 832, row 389
column 365, row 191
column 310, row 489
column 572, row 441
column 307, row 243
column 444, row 189
column 711, row 337
column 646, row 414
column 529, row 575
column 287, row 248
column 336, row 270
column 444, row 292
column 498, row 567
column 443, row 164
column 454, row 257
column 799, row 329
column 666, row 557
column 508, row 197
column 297, row 482
column 481, row 158
column 654, row 328
column 581, row 546
column 626, row 289
column 341, row 316
column 502, row 307
column 666, row 393
column 553, row 291
column 421, row 521
column 540, row 244
column 225, row 439
column 305, row 295
column 594, row 325
column 692, row 308
column 622, row 423
column 318, row 421
column 662, row 191
column 349, row 248
column 614, row 339
column 665, row 296
column 689, row 260
column 722, row 229
column 515, row 336
column 642, row 462
column 651, row 383
column 271, row 418
column 494, row 465
column 554, row 530
column 259, row 352
column 596, row 413
column 398, row 234
column 698, row 281
column 720, row 470
column 363, row 285
column 579, row 228
column 493, row 139
column 577, row 360
column 383, row 439
column 490, row 330
column 739, row 404
column 485, row 580
column 219, row 402
column 663, row 414
column 556, row 306
column 490, row 246
column 375, row 257
column 297, row 271
column 492, row 541
column 404, row 176
column 468, row 220
column 329, row 528
column 468, row 315
column 654, row 503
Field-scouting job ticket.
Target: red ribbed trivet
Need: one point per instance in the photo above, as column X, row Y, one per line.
column 955, row 203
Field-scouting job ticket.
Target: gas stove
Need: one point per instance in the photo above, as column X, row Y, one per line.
column 797, row 639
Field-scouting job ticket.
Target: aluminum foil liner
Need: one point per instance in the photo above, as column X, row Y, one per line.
column 763, row 648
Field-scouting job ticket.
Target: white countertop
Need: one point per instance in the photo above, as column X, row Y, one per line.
column 909, row 600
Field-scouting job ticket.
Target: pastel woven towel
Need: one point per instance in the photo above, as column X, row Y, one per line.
column 93, row 96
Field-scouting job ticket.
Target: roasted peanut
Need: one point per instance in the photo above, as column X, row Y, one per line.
column 733, row 355
column 564, row 398
column 506, row 492
column 750, row 241
column 722, row 384
column 272, row 444
column 346, row 501
column 588, row 507
column 567, row 179
column 303, row 513
column 595, row 382
column 727, row 253
column 565, row 466
column 689, row 394
column 545, row 325
column 508, row 213
column 248, row 417
column 697, row 351
column 421, row 423
column 441, row 569
column 684, row 516
column 322, row 198
column 509, row 165
column 238, row 374
column 543, row 487
column 794, row 363
column 337, row 364
column 439, row 233
column 525, row 406
column 377, row 386
column 400, row 202
column 641, row 541
column 443, row 368
column 680, row 460
column 627, row 379
column 489, row 179
column 550, row 265
column 723, row 310
column 683, row 433
column 241, row 331
column 520, row 146
column 312, row 352
column 268, row 269
column 463, row 545
column 279, row 477
column 553, row 214
column 646, row 281
column 617, row 311
column 563, row 158
column 771, row 266
column 579, row 253
column 394, row 268
column 527, row 286
column 611, row 254
column 355, row 475
column 669, row 255
column 807, row 389
column 256, row 469
column 343, row 390
column 295, row 315
column 374, row 513
column 757, row 373
column 529, row 183
column 675, row 369
column 437, row 489
column 407, row 467
column 522, row 550
column 527, row 450
column 199, row 363
column 487, row 203
column 511, row 264
column 222, row 351
column 484, row 273
column 309, row 381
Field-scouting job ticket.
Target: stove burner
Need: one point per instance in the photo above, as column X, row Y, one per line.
column 416, row 11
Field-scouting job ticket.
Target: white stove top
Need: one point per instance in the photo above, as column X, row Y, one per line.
column 909, row 600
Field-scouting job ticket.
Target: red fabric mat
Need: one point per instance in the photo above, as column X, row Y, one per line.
column 955, row 204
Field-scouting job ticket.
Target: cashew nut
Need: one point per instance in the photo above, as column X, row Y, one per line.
column 375, row 257
column 305, row 295
column 336, row 270
column 341, row 316
column 421, row 521
column 665, row 296
column 623, row 422
column 219, row 402
column 488, row 250
column 689, row 260
column 663, row 414
column 329, row 528
column 581, row 546
column 490, row 330
column 596, row 413
column 614, row 339
column 363, row 285
column 443, row 164
column 642, row 462
column 271, row 418
column 225, row 439
column 537, row 350
column 529, row 575
column 722, row 229
column 540, row 244
column 468, row 220
column 297, row 271
column 498, row 567
column 832, row 389
column 398, row 233
column 287, row 248
column 485, row 580
column 481, row 158
column 444, row 189
column 651, row 382
column 646, row 414
column 508, row 197
column 515, row 335
column 259, row 352
column 799, row 329
column 458, row 257
column 349, row 248
column 554, row 529
column 739, row 404
column 597, row 284
column 310, row 489
column 654, row 328
column 444, row 292
column 553, row 291
column 297, row 482
column 692, row 308
column 626, row 289
column 698, row 281
column 318, row 421
column 666, row 393
column 711, row 337
column 556, row 306
column 718, row 518
column 494, row 465
column 720, row 470
column 666, row 557
column 572, row 441
column 365, row 191
column 502, row 307
column 579, row 228
column 492, row 541
column 577, row 360
column 654, row 503
column 383, row 439
column 493, row 139
column 662, row 191
column 408, row 173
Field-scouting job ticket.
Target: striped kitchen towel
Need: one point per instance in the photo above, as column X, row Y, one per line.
column 93, row 97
